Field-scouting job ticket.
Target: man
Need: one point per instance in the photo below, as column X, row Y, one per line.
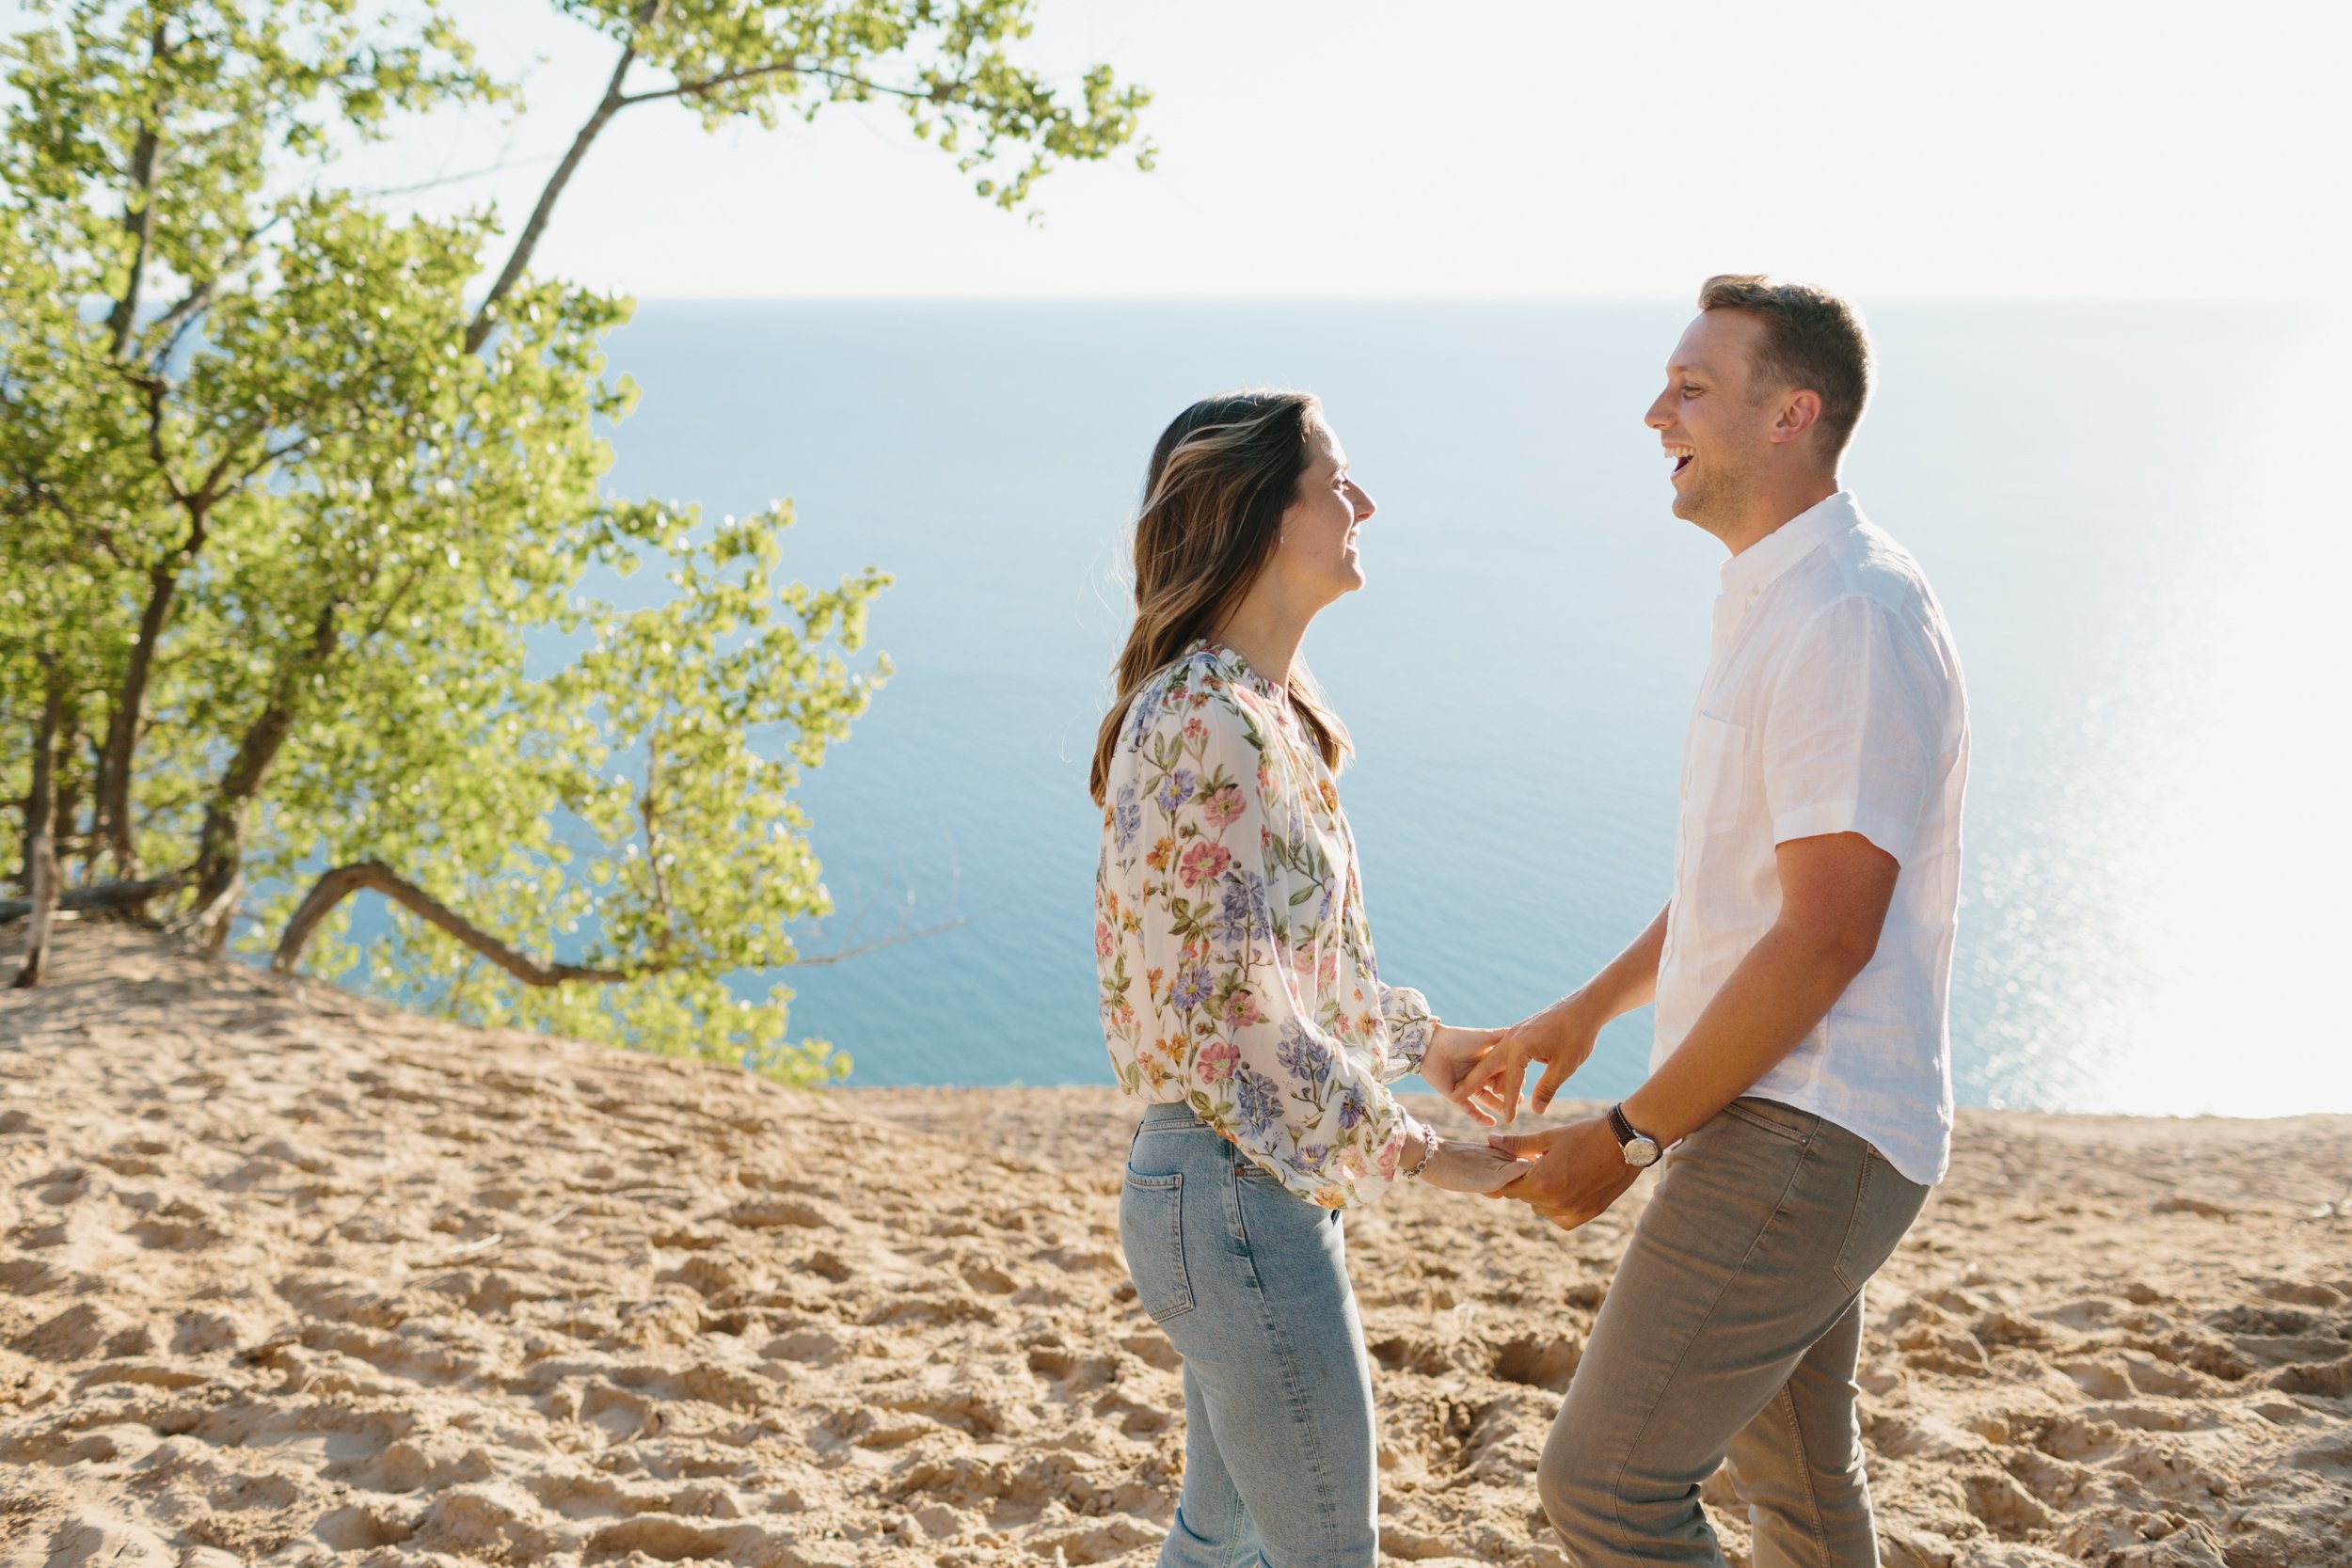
column 1800, row 1081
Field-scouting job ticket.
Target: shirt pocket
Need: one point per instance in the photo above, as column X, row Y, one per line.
column 1714, row 776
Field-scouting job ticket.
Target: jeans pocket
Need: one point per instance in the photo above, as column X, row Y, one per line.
column 1884, row 1204
column 1152, row 1232
column 1767, row 1121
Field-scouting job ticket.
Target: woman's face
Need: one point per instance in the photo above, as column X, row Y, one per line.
column 1316, row 557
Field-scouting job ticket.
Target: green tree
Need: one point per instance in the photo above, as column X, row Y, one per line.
column 286, row 493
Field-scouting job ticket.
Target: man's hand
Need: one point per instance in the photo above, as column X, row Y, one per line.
column 1561, row 1037
column 1575, row 1172
column 1452, row 1057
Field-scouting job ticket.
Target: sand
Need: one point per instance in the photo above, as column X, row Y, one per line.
column 288, row 1276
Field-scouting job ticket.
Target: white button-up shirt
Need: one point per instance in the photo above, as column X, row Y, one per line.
column 1833, row 705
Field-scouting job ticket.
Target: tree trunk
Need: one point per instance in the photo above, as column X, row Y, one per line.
column 115, row 828
column 41, row 840
column 335, row 886
column 478, row 330
column 68, row 815
column 220, row 850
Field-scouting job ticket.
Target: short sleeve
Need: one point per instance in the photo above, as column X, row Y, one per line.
column 1853, row 730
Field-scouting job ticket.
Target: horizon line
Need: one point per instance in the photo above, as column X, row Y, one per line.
column 2231, row 301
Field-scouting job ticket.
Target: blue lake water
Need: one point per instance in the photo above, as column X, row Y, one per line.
column 2108, row 500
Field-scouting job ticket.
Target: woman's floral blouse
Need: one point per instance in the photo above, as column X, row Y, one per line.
column 1228, row 931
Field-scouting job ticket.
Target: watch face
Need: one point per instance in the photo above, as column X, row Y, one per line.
column 1641, row 1152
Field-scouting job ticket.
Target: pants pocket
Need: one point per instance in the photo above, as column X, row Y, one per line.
column 1778, row 1120
column 1885, row 1203
column 1152, row 1232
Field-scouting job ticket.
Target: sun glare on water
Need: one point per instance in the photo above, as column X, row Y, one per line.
column 2192, row 906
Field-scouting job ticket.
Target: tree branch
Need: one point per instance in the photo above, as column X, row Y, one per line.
column 138, row 217
column 438, row 181
column 478, row 330
column 175, row 321
column 335, row 886
column 646, row 809
column 213, row 489
column 153, row 387
column 104, row 896
column 794, row 68
column 42, row 493
column 861, row 949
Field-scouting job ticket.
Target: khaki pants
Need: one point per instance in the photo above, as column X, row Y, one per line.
column 1732, row 1332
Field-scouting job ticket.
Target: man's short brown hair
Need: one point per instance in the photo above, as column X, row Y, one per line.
column 1812, row 341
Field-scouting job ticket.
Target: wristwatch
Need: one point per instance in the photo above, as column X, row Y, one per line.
column 1639, row 1149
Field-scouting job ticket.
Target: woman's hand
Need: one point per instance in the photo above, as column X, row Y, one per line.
column 1561, row 1037
column 1468, row 1167
column 1450, row 1058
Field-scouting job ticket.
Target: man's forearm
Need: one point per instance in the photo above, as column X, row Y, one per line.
column 1785, row 986
column 1629, row 980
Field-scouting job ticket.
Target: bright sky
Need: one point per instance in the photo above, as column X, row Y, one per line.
column 1499, row 148
column 1512, row 149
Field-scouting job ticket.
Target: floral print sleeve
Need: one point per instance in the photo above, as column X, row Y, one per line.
column 1238, row 970
column 1406, row 1012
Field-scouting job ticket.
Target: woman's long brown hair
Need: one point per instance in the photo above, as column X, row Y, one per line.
column 1221, row 477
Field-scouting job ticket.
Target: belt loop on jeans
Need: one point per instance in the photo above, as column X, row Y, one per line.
column 1169, row 1114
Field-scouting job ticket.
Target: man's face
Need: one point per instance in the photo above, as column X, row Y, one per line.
column 1716, row 430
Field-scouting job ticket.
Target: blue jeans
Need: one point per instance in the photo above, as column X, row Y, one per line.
column 1250, row 1285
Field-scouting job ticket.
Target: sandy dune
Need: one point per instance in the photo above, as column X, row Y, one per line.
column 287, row 1277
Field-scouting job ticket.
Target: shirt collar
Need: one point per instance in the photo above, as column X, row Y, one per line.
column 1237, row 670
column 1752, row 570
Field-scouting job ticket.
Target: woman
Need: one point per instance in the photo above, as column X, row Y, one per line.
column 1239, row 995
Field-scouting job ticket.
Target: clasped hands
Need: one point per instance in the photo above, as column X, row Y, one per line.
column 1567, row 1175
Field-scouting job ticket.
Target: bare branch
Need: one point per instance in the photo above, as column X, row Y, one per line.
column 104, row 896
column 945, row 93
column 441, row 179
column 335, row 886
column 478, row 330
column 878, row 943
